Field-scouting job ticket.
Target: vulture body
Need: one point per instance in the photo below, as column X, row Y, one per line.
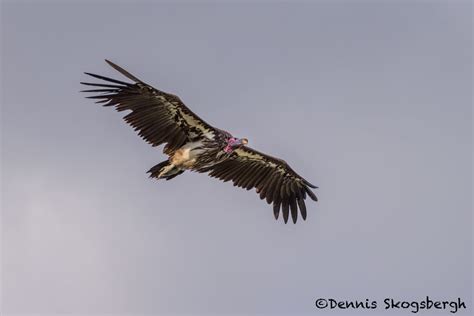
column 192, row 144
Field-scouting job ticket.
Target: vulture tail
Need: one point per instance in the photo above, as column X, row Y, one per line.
column 165, row 170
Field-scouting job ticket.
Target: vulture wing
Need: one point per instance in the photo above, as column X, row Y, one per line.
column 273, row 179
column 159, row 117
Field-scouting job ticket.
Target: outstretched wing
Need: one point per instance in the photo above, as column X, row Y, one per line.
column 159, row 117
column 273, row 179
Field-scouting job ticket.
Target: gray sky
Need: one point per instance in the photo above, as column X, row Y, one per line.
column 371, row 101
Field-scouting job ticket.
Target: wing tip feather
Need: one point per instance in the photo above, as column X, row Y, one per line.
column 123, row 71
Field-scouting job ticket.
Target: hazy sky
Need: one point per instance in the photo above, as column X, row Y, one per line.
column 371, row 101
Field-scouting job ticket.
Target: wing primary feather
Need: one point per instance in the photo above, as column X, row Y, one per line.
column 99, row 90
column 102, row 85
column 302, row 207
column 107, row 79
column 311, row 194
column 309, row 184
column 276, row 190
column 294, row 209
column 288, row 188
column 276, row 210
column 285, row 210
column 104, row 101
column 283, row 193
column 263, row 186
column 104, row 96
column 266, row 186
column 271, row 187
column 294, row 187
column 123, row 71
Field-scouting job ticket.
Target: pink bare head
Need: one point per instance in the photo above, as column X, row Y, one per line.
column 233, row 143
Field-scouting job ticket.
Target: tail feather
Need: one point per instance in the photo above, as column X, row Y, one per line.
column 165, row 170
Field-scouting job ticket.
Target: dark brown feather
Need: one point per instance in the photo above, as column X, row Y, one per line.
column 285, row 210
column 156, row 115
column 276, row 210
column 272, row 178
column 302, row 207
column 294, row 209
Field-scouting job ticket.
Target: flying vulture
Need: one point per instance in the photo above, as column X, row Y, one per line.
column 192, row 144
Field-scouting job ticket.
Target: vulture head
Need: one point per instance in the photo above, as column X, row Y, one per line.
column 234, row 143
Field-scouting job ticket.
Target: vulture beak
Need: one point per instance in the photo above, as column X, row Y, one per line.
column 236, row 143
column 240, row 142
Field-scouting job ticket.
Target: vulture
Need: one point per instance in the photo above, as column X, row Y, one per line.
column 192, row 144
